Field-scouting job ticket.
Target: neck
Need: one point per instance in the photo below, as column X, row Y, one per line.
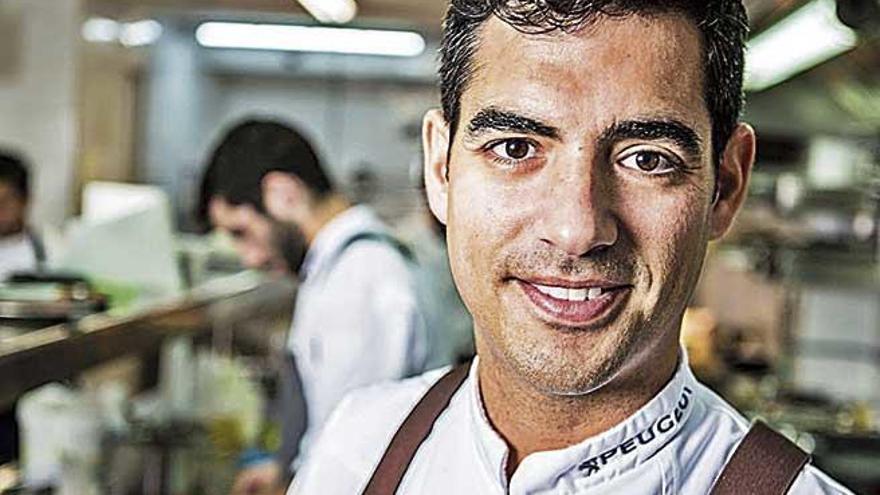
column 322, row 213
column 532, row 421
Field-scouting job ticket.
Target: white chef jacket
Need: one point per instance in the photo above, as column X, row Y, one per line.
column 356, row 320
column 17, row 253
column 676, row 444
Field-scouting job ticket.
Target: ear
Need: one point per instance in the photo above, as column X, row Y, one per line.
column 283, row 195
column 733, row 179
column 435, row 142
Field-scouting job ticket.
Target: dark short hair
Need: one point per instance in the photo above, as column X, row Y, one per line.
column 723, row 24
column 14, row 171
column 249, row 151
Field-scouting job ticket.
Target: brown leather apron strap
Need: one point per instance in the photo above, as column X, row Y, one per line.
column 414, row 430
column 764, row 463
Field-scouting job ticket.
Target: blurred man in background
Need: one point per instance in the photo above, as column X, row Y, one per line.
column 256, row 237
column 20, row 249
column 356, row 320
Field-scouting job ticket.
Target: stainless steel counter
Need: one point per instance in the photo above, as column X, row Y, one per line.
column 61, row 352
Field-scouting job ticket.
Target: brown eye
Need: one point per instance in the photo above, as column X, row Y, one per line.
column 649, row 162
column 514, row 149
column 517, row 149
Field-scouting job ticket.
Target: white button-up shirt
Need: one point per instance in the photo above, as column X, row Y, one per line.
column 676, row 444
column 356, row 320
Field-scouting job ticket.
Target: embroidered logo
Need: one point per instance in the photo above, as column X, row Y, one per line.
column 661, row 426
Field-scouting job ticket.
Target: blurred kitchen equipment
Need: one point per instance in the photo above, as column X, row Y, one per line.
column 31, row 302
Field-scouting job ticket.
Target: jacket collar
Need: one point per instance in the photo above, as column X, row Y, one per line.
column 588, row 463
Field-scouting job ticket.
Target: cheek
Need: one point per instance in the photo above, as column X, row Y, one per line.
column 467, row 224
column 10, row 211
column 485, row 211
column 260, row 234
column 670, row 237
column 484, row 218
column 251, row 244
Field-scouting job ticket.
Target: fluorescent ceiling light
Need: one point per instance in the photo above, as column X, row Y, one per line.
column 331, row 11
column 130, row 34
column 804, row 39
column 140, row 33
column 100, row 30
column 310, row 39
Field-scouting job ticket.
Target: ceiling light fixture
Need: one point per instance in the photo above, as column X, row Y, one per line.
column 310, row 39
column 100, row 30
column 331, row 11
column 129, row 34
column 807, row 37
column 140, row 33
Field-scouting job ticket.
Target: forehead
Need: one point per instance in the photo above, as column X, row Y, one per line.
column 613, row 69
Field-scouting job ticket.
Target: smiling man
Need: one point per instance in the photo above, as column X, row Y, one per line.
column 586, row 154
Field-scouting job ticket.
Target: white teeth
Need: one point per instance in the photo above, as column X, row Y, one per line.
column 577, row 294
column 545, row 289
column 558, row 292
column 565, row 294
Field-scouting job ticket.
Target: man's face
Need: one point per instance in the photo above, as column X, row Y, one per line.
column 579, row 197
column 13, row 209
column 254, row 235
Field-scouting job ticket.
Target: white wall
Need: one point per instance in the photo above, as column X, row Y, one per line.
column 188, row 103
column 173, row 97
column 38, row 100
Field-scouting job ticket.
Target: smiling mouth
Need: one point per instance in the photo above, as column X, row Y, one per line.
column 578, row 305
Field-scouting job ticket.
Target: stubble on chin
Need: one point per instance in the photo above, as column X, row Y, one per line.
column 563, row 362
column 290, row 244
column 561, row 367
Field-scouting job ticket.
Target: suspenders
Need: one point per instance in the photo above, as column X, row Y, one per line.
column 380, row 237
column 39, row 249
column 414, row 430
column 764, row 463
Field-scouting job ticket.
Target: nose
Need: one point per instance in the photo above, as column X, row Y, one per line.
column 577, row 217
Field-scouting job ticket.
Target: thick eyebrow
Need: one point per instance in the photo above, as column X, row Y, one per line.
column 673, row 130
column 495, row 119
